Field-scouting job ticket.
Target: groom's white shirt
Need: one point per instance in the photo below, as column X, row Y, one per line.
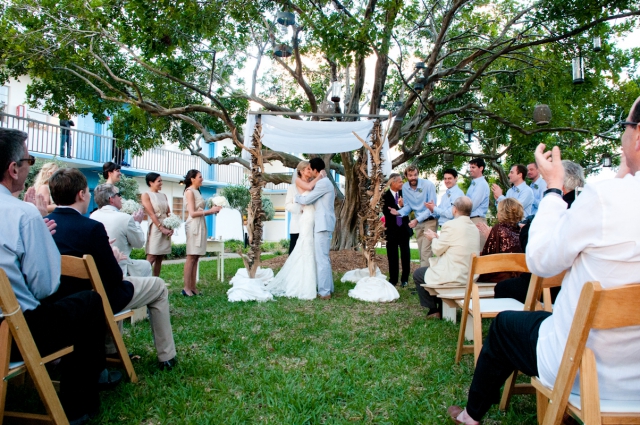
column 322, row 197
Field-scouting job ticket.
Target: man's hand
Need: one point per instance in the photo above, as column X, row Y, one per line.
column 430, row 205
column 430, row 234
column 550, row 166
column 394, row 211
column 323, row 173
column 622, row 171
column 413, row 223
column 400, row 202
column 138, row 215
column 497, row 191
column 51, row 225
column 118, row 254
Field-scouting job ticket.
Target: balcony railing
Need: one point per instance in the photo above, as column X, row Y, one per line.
column 44, row 138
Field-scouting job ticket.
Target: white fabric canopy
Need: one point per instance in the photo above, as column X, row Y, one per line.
column 296, row 136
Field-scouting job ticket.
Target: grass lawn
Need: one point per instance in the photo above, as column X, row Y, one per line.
column 297, row 362
column 415, row 254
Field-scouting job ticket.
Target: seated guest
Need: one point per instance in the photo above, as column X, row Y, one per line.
column 518, row 287
column 458, row 239
column 595, row 240
column 124, row 228
column 31, row 261
column 78, row 235
column 504, row 237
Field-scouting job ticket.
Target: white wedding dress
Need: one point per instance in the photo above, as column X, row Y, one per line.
column 297, row 278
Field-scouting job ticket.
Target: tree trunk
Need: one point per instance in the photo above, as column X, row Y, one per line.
column 255, row 214
column 345, row 233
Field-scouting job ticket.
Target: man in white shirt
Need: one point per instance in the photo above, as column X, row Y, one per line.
column 519, row 189
column 124, row 228
column 538, row 186
column 596, row 240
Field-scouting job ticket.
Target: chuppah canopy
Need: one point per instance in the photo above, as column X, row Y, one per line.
column 318, row 137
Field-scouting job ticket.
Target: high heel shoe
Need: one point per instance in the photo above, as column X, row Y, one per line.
column 185, row 294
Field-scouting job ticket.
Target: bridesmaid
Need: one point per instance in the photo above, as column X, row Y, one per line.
column 41, row 184
column 156, row 206
column 195, row 228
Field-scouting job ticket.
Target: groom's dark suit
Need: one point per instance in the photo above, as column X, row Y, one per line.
column 77, row 235
column 397, row 237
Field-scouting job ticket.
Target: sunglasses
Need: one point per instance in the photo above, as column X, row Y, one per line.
column 31, row 160
column 623, row 124
column 117, row 194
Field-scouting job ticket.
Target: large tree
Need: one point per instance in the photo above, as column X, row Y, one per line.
column 178, row 67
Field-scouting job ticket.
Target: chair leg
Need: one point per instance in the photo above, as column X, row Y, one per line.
column 122, row 350
column 477, row 336
column 541, row 406
column 5, row 351
column 507, row 392
column 463, row 325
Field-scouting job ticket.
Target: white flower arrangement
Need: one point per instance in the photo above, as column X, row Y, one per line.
column 130, row 206
column 218, row 201
column 172, row 222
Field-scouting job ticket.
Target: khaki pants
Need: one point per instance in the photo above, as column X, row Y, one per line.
column 152, row 292
column 424, row 244
column 476, row 220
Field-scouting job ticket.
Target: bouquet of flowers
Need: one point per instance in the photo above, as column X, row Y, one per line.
column 172, row 223
column 217, row 201
column 130, row 206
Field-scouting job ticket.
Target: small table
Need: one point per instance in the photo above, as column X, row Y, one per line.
column 216, row 246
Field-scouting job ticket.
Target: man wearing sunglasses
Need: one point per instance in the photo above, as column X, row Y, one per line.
column 30, row 258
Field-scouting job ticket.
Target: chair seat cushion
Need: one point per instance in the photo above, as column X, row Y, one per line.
column 610, row 406
column 122, row 313
column 496, row 305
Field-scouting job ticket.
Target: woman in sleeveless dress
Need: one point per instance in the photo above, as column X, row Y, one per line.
column 195, row 228
column 297, row 278
column 156, row 206
column 41, row 184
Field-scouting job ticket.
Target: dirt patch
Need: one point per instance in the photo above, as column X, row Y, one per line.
column 341, row 261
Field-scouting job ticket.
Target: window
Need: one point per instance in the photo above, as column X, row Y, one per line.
column 179, row 207
column 4, row 99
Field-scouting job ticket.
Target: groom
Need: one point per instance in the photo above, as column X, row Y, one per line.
column 322, row 196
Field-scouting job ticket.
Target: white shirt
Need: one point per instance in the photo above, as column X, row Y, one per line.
column 598, row 239
column 293, row 207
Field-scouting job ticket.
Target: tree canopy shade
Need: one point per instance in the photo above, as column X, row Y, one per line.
column 180, row 66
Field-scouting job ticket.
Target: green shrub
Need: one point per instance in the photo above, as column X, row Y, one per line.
column 285, row 243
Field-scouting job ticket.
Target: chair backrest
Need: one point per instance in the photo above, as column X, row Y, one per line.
column 493, row 263
column 597, row 308
column 85, row 268
column 537, row 286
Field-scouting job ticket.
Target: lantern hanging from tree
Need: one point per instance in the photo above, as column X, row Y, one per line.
column 542, row 114
column 577, row 66
column 606, row 160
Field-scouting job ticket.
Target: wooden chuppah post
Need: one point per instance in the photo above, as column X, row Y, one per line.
column 370, row 227
column 255, row 213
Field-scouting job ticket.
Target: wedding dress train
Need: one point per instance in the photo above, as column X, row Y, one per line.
column 297, row 278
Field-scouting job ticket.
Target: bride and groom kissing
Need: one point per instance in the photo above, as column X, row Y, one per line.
column 309, row 267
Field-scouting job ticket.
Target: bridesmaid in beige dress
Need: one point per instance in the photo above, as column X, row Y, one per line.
column 195, row 228
column 156, row 206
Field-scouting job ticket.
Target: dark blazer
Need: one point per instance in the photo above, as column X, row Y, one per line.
column 390, row 220
column 78, row 235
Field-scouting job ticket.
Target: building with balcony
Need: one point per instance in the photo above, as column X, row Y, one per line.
column 92, row 145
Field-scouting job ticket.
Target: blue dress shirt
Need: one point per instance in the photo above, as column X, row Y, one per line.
column 522, row 193
column 444, row 209
column 414, row 199
column 478, row 192
column 538, row 187
column 28, row 254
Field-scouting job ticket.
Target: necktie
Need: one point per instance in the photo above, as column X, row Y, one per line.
column 398, row 218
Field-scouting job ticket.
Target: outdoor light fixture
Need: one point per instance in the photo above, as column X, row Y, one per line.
column 499, row 160
column 286, row 18
column 597, row 44
column 419, row 84
column 448, row 158
column 397, row 104
column 283, row 51
column 469, row 135
column 577, row 67
column 606, row 160
column 336, row 88
column 420, row 65
column 542, row 114
column 468, row 125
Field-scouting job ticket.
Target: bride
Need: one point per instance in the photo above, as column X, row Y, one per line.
column 297, row 278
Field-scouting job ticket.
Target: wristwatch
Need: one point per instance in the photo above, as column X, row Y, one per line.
column 553, row 190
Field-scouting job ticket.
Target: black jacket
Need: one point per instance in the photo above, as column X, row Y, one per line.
column 390, row 220
column 78, row 235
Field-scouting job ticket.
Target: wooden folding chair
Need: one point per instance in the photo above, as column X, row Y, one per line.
column 532, row 303
column 14, row 326
column 85, row 268
column 601, row 309
column 490, row 307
